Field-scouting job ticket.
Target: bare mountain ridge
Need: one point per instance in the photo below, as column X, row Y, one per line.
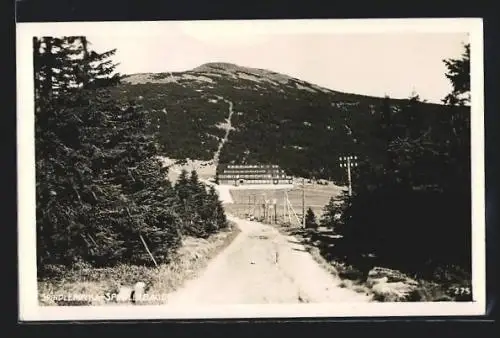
column 217, row 69
column 208, row 71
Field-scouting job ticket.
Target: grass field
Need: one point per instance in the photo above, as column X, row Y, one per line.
column 250, row 202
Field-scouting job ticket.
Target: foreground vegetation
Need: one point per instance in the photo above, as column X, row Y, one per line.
column 384, row 284
column 102, row 194
column 61, row 283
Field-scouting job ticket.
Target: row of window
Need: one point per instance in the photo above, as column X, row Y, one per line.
column 247, row 171
column 250, row 176
column 256, row 181
column 241, row 166
column 253, row 171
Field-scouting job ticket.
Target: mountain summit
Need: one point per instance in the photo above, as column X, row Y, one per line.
column 225, row 69
column 216, row 65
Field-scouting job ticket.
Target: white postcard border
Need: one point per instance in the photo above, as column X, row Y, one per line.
column 28, row 299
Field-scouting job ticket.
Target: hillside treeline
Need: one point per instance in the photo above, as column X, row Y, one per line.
column 102, row 196
column 306, row 132
column 290, row 123
column 411, row 205
column 186, row 120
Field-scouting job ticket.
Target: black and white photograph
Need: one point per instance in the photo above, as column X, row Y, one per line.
column 250, row 169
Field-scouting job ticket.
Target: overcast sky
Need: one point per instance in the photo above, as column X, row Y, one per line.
column 393, row 63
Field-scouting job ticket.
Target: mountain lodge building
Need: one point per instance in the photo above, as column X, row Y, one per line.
column 238, row 174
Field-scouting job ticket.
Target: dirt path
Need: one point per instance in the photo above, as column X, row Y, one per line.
column 228, row 128
column 247, row 273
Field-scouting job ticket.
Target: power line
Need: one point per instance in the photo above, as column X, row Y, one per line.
column 286, row 211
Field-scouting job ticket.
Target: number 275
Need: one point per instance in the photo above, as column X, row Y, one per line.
column 460, row 290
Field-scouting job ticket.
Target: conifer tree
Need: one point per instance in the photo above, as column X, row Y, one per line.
column 311, row 219
column 217, row 215
column 151, row 201
column 458, row 150
column 422, row 188
column 190, row 197
column 330, row 214
column 197, row 191
column 64, row 174
column 101, row 193
column 458, row 72
column 182, row 186
column 207, row 211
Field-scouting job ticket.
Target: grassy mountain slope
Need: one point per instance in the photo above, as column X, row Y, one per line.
column 277, row 118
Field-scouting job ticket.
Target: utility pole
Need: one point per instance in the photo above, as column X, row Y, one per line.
column 254, row 205
column 249, row 205
column 303, row 202
column 349, row 175
column 288, row 209
column 265, row 208
column 260, row 209
column 275, row 216
column 284, row 207
column 348, row 162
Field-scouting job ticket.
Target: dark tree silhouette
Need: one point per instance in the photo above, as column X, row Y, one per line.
column 411, row 209
column 458, row 72
column 330, row 217
column 311, row 219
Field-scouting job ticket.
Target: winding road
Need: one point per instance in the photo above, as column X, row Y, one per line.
column 263, row 266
